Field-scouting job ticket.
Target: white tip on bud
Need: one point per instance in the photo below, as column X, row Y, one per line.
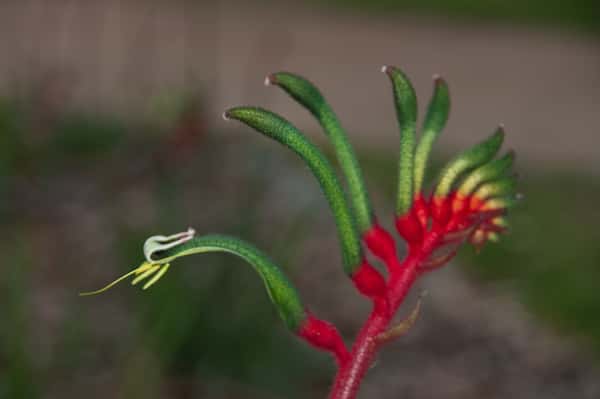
column 436, row 76
column 268, row 81
column 385, row 68
column 224, row 116
column 160, row 243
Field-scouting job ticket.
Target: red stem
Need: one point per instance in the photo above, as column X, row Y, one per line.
column 387, row 297
column 351, row 373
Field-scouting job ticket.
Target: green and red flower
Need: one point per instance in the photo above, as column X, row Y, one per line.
column 468, row 203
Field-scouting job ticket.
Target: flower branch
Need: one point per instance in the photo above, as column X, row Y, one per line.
column 468, row 204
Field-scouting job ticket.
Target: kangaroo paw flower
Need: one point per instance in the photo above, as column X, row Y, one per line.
column 469, row 203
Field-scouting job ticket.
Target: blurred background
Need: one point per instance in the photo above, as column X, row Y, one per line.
column 110, row 131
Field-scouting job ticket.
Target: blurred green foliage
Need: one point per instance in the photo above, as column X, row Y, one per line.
column 551, row 255
column 578, row 14
column 208, row 327
column 18, row 374
column 83, row 136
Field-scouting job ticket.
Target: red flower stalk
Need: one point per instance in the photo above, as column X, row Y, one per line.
column 468, row 204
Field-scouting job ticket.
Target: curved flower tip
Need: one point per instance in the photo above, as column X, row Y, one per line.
column 161, row 243
column 151, row 268
column 270, row 79
column 472, row 205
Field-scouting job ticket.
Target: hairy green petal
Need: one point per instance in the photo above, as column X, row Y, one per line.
column 490, row 171
column 284, row 132
column 405, row 101
column 496, row 188
column 499, row 203
column 309, row 96
column 500, row 221
column 283, row 295
column 435, row 121
column 469, row 159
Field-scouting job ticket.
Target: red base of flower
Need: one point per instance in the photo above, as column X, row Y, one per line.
column 441, row 210
column 442, row 221
column 369, row 281
column 421, row 210
column 324, row 336
column 382, row 245
column 410, row 228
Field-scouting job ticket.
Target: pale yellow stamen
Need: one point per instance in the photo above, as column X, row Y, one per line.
column 145, row 274
column 156, row 277
column 141, row 269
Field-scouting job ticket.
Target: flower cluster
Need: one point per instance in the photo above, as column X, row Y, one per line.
column 468, row 203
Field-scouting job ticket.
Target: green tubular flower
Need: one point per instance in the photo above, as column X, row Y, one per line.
column 405, row 101
column 307, row 95
column 281, row 292
column 496, row 188
column 279, row 129
column 435, row 121
column 467, row 160
column 500, row 203
column 488, row 172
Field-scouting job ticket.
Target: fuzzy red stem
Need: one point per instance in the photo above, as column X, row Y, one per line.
column 421, row 244
column 351, row 373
